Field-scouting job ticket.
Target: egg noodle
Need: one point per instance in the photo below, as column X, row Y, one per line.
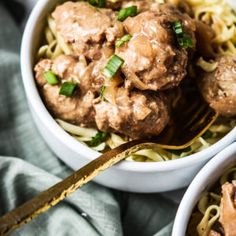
column 215, row 13
column 209, row 206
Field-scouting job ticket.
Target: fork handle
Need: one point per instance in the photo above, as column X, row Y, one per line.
column 47, row 199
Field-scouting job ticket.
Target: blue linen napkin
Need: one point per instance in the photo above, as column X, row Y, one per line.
column 27, row 166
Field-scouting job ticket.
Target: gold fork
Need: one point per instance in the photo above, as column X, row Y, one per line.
column 191, row 119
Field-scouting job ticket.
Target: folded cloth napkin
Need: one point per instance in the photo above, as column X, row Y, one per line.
column 27, row 167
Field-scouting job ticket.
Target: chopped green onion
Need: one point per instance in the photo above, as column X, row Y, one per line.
column 208, row 134
column 99, row 138
column 185, row 42
column 179, row 152
column 102, row 92
column 51, row 78
column 177, row 26
column 98, row 3
column 183, row 39
column 68, row 89
column 126, row 12
column 112, row 67
column 121, row 41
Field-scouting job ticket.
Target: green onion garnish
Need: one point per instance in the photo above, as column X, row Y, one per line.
column 68, row 89
column 98, row 3
column 183, row 39
column 177, row 26
column 51, row 78
column 208, row 134
column 126, row 12
column 121, row 41
column 112, row 67
column 103, row 88
column 99, row 138
column 185, row 42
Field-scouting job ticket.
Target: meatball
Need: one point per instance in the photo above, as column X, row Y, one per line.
column 88, row 76
column 219, row 87
column 77, row 109
column 152, row 55
column 133, row 113
column 137, row 114
column 228, row 209
column 85, row 28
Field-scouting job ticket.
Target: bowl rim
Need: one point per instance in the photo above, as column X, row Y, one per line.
column 197, row 186
column 37, row 105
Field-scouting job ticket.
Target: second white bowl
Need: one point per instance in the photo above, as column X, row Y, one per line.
column 206, row 178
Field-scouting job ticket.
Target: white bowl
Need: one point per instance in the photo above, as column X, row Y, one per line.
column 209, row 174
column 128, row 176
